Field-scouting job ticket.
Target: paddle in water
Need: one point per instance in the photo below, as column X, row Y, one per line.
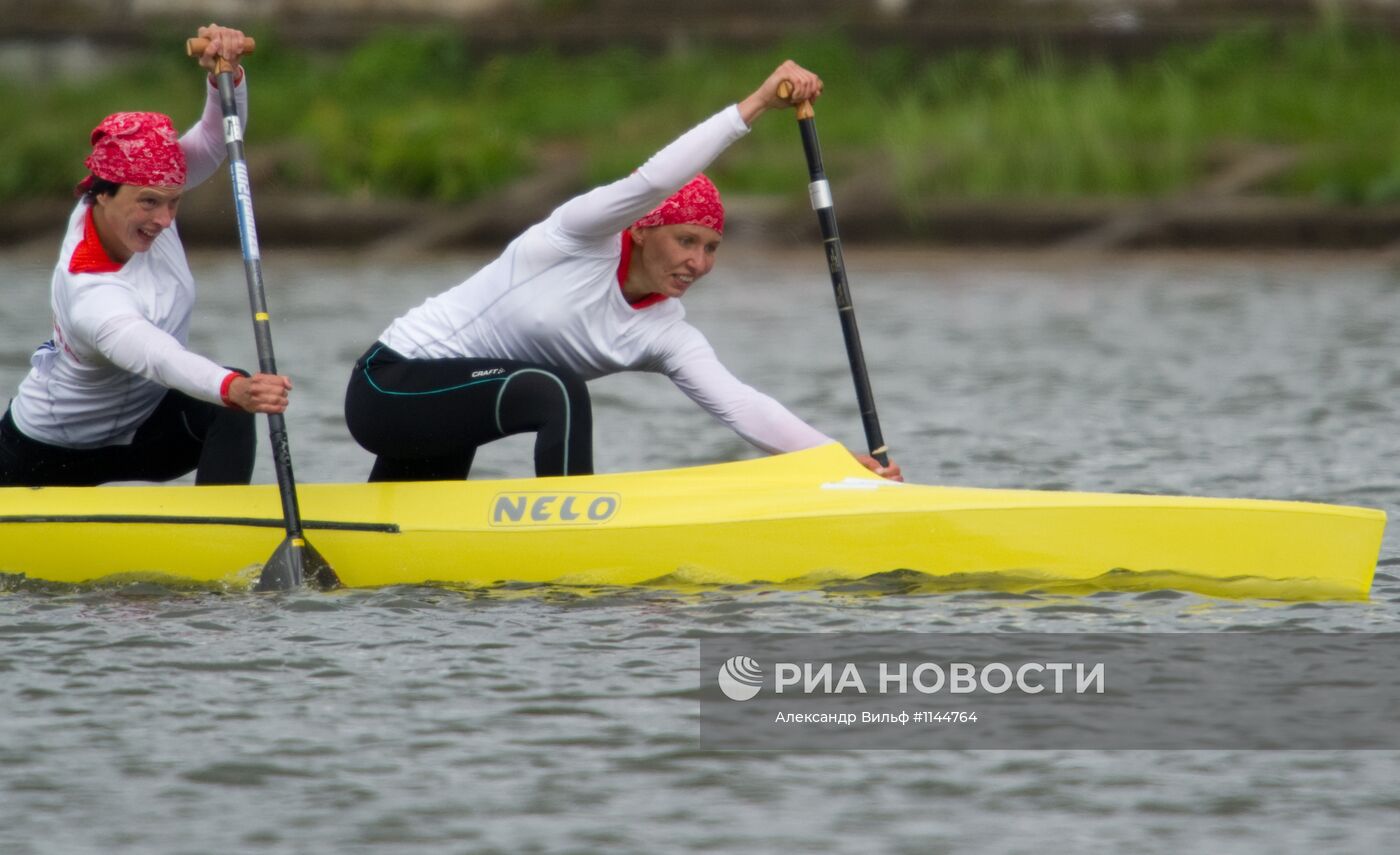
column 295, row 560
column 820, row 192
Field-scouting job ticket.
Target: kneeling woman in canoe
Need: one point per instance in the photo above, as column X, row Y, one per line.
column 592, row 290
column 115, row 395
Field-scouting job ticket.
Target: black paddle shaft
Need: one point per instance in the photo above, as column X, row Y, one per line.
column 295, row 559
column 820, row 191
column 257, row 297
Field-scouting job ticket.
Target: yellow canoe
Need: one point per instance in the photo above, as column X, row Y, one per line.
column 795, row 519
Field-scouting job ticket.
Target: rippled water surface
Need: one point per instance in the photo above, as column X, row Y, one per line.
column 141, row 719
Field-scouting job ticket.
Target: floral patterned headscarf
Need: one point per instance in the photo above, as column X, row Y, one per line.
column 136, row 148
column 696, row 203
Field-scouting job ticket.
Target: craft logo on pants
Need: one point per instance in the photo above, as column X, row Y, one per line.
column 740, row 678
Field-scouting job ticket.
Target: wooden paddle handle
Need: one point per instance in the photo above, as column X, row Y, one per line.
column 804, row 109
column 195, row 47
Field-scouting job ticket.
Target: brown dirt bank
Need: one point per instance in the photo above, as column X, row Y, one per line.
column 1234, row 223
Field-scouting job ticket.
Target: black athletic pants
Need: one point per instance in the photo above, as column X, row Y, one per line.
column 425, row 418
column 183, row 434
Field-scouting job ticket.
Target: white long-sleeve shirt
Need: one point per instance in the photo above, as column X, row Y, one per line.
column 554, row 297
column 120, row 334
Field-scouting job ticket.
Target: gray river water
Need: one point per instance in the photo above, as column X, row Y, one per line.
column 139, row 719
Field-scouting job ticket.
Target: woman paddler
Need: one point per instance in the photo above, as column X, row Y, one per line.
column 115, row 395
column 592, row 290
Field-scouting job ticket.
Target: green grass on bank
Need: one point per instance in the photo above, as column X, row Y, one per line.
column 419, row 116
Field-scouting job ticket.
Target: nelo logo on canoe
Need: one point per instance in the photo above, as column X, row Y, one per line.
column 553, row 509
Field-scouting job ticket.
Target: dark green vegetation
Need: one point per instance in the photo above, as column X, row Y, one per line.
column 414, row 115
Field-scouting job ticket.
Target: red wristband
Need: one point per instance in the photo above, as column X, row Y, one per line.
column 224, row 386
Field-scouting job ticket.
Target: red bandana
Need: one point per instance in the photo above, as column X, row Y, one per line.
column 136, row 148
column 697, row 203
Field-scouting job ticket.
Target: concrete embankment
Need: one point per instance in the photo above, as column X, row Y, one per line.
column 1101, row 27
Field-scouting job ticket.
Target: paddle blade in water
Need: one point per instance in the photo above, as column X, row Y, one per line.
column 294, row 563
